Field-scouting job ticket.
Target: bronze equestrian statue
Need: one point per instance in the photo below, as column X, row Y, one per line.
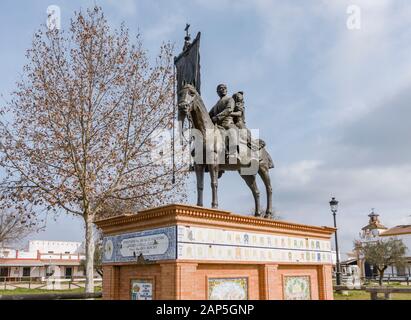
column 227, row 114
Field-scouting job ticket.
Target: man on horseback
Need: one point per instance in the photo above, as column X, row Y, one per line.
column 228, row 115
column 221, row 115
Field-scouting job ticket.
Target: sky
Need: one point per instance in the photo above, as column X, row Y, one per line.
column 332, row 102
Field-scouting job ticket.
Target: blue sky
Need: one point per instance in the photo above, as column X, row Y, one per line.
column 333, row 104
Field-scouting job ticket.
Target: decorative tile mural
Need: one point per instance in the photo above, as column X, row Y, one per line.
column 155, row 244
column 141, row 289
column 297, row 288
column 227, row 288
column 197, row 243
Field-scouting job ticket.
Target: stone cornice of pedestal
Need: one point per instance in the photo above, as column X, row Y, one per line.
column 182, row 214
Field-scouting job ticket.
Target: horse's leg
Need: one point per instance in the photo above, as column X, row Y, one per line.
column 199, row 169
column 265, row 176
column 214, row 184
column 251, row 183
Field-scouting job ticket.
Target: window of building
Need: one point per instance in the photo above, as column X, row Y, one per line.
column 26, row 272
column 4, row 272
column 69, row 272
column 50, row 251
column 401, row 271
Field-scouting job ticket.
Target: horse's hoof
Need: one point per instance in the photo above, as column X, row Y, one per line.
column 268, row 215
column 257, row 214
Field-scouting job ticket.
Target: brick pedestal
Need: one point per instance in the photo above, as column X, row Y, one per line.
column 188, row 252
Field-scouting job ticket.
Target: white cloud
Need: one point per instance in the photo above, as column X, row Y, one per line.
column 282, row 24
column 364, row 66
column 303, row 189
column 315, row 180
column 351, row 70
column 297, row 174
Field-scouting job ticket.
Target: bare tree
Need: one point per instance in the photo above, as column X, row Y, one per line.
column 15, row 226
column 79, row 130
column 383, row 253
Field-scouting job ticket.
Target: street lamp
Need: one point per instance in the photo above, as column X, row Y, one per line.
column 334, row 207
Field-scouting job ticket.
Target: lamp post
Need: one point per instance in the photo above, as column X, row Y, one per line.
column 334, row 207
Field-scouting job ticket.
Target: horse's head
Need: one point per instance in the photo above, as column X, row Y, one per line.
column 186, row 97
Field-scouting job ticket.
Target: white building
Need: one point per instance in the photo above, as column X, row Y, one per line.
column 55, row 246
column 375, row 231
column 42, row 260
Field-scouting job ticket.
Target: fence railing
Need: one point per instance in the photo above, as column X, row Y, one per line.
column 390, row 278
column 44, row 278
column 49, row 283
column 386, row 279
column 52, row 296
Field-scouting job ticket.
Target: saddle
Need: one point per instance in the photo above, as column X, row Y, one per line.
column 245, row 143
column 247, row 150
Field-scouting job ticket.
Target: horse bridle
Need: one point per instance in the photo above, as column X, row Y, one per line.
column 189, row 118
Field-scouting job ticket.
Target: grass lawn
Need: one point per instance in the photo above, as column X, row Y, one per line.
column 362, row 295
column 40, row 291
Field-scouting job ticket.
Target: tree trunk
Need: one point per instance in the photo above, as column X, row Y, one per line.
column 89, row 254
column 381, row 277
column 381, row 274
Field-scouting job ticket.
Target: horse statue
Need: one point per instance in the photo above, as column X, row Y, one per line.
column 191, row 106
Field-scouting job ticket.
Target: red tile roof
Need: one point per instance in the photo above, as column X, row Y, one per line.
column 21, row 262
column 38, row 263
column 397, row 230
